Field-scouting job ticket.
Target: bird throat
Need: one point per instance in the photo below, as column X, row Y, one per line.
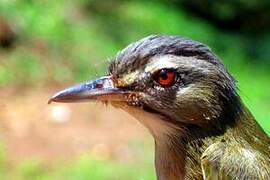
column 179, row 147
column 169, row 153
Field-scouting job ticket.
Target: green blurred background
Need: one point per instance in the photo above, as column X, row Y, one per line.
column 45, row 45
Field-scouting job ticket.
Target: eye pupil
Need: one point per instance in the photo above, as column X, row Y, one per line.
column 163, row 74
column 165, row 77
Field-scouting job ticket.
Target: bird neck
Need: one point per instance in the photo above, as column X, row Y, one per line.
column 179, row 147
column 177, row 155
column 169, row 161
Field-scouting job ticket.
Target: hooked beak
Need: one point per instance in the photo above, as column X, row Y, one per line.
column 102, row 89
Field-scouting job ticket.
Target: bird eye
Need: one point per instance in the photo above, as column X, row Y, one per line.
column 165, row 77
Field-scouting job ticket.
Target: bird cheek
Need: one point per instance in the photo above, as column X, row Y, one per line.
column 193, row 113
column 194, row 118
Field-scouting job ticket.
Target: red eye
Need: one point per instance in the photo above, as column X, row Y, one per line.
column 165, row 77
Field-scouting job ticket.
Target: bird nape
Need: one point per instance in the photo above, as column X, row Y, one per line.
column 181, row 91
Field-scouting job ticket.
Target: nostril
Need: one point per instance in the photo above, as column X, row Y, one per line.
column 99, row 85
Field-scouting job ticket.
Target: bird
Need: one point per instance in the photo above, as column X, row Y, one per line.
column 183, row 94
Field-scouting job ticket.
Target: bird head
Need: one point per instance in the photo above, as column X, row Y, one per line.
column 166, row 82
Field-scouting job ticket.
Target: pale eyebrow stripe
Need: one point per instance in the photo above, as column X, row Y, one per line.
column 157, row 63
column 160, row 62
column 172, row 61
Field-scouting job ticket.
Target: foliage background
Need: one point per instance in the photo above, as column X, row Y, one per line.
column 49, row 44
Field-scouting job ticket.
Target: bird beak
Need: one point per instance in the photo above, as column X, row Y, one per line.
column 102, row 89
